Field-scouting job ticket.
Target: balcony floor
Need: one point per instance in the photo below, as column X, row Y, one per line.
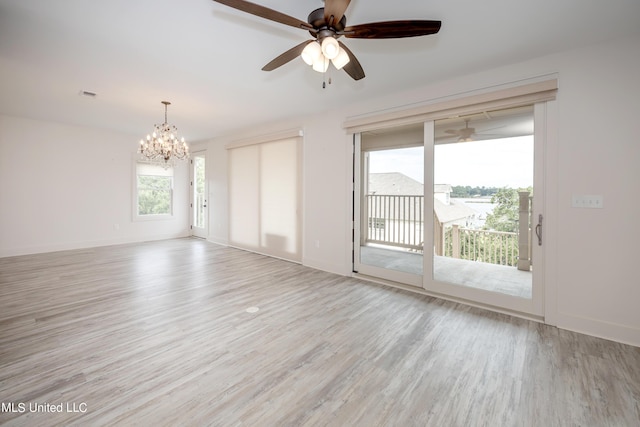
column 491, row 277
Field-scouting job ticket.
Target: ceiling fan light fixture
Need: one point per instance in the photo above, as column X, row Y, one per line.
column 321, row 64
column 330, row 47
column 311, row 53
column 341, row 59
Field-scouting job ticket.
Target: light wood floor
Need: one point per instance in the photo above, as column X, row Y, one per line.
column 157, row 334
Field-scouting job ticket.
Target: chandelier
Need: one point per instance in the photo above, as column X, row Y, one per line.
column 163, row 143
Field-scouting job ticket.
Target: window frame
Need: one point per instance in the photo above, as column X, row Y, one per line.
column 135, row 193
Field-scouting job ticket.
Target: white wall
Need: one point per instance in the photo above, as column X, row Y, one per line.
column 591, row 283
column 598, row 288
column 66, row 187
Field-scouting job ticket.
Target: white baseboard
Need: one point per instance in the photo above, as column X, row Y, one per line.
column 222, row 241
column 601, row 329
column 67, row 246
column 325, row 266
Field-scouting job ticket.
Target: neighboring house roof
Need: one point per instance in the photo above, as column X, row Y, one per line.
column 452, row 212
column 394, row 183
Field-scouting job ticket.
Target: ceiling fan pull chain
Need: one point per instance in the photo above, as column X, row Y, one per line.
column 324, row 79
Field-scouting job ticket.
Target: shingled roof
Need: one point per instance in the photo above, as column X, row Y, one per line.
column 394, row 183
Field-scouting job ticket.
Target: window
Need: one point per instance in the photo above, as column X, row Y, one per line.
column 154, row 190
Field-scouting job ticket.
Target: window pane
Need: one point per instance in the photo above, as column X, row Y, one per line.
column 154, row 189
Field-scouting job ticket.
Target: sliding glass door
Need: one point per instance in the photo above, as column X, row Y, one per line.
column 483, row 190
column 451, row 205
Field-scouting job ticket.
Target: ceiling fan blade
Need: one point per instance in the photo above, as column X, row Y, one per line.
column 392, row 29
column 265, row 12
column 353, row 67
column 335, row 9
column 289, row 55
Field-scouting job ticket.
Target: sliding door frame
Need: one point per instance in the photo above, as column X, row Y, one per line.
column 360, row 219
column 538, row 93
column 531, row 307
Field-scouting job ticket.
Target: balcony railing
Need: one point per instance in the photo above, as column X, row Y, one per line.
column 395, row 220
column 398, row 220
column 199, row 211
column 493, row 247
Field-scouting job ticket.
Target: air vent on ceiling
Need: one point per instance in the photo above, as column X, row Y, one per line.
column 88, row 93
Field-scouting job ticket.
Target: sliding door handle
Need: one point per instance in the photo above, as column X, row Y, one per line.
column 539, row 230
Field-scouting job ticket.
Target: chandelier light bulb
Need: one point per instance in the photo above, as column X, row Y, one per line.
column 330, row 47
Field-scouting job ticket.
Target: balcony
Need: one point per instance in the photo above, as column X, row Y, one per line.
column 491, row 260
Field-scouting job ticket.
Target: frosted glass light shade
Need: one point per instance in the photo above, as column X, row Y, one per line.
column 330, row 47
column 341, row 59
column 311, row 53
column 321, row 64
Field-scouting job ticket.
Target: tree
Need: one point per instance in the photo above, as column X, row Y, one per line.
column 154, row 195
column 468, row 191
column 506, row 214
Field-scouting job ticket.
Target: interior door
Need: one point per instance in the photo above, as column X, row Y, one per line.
column 199, row 196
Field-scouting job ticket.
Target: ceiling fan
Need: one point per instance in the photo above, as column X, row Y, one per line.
column 464, row 134
column 467, row 134
column 327, row 24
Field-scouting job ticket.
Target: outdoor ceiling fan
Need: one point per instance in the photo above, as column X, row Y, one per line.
column 464, row 134
column 468, row 134
column 326, row 25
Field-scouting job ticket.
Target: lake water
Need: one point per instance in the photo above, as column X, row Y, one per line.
column 481, row 205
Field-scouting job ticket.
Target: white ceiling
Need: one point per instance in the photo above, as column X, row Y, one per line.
column 206, row 58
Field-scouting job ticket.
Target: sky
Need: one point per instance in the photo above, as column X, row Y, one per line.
column 504, row 162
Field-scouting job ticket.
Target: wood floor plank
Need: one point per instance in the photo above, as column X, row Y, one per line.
column 158, row 334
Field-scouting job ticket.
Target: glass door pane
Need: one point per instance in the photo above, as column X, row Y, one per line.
column 391, row 196
column 482, row 201
column 199, row 195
